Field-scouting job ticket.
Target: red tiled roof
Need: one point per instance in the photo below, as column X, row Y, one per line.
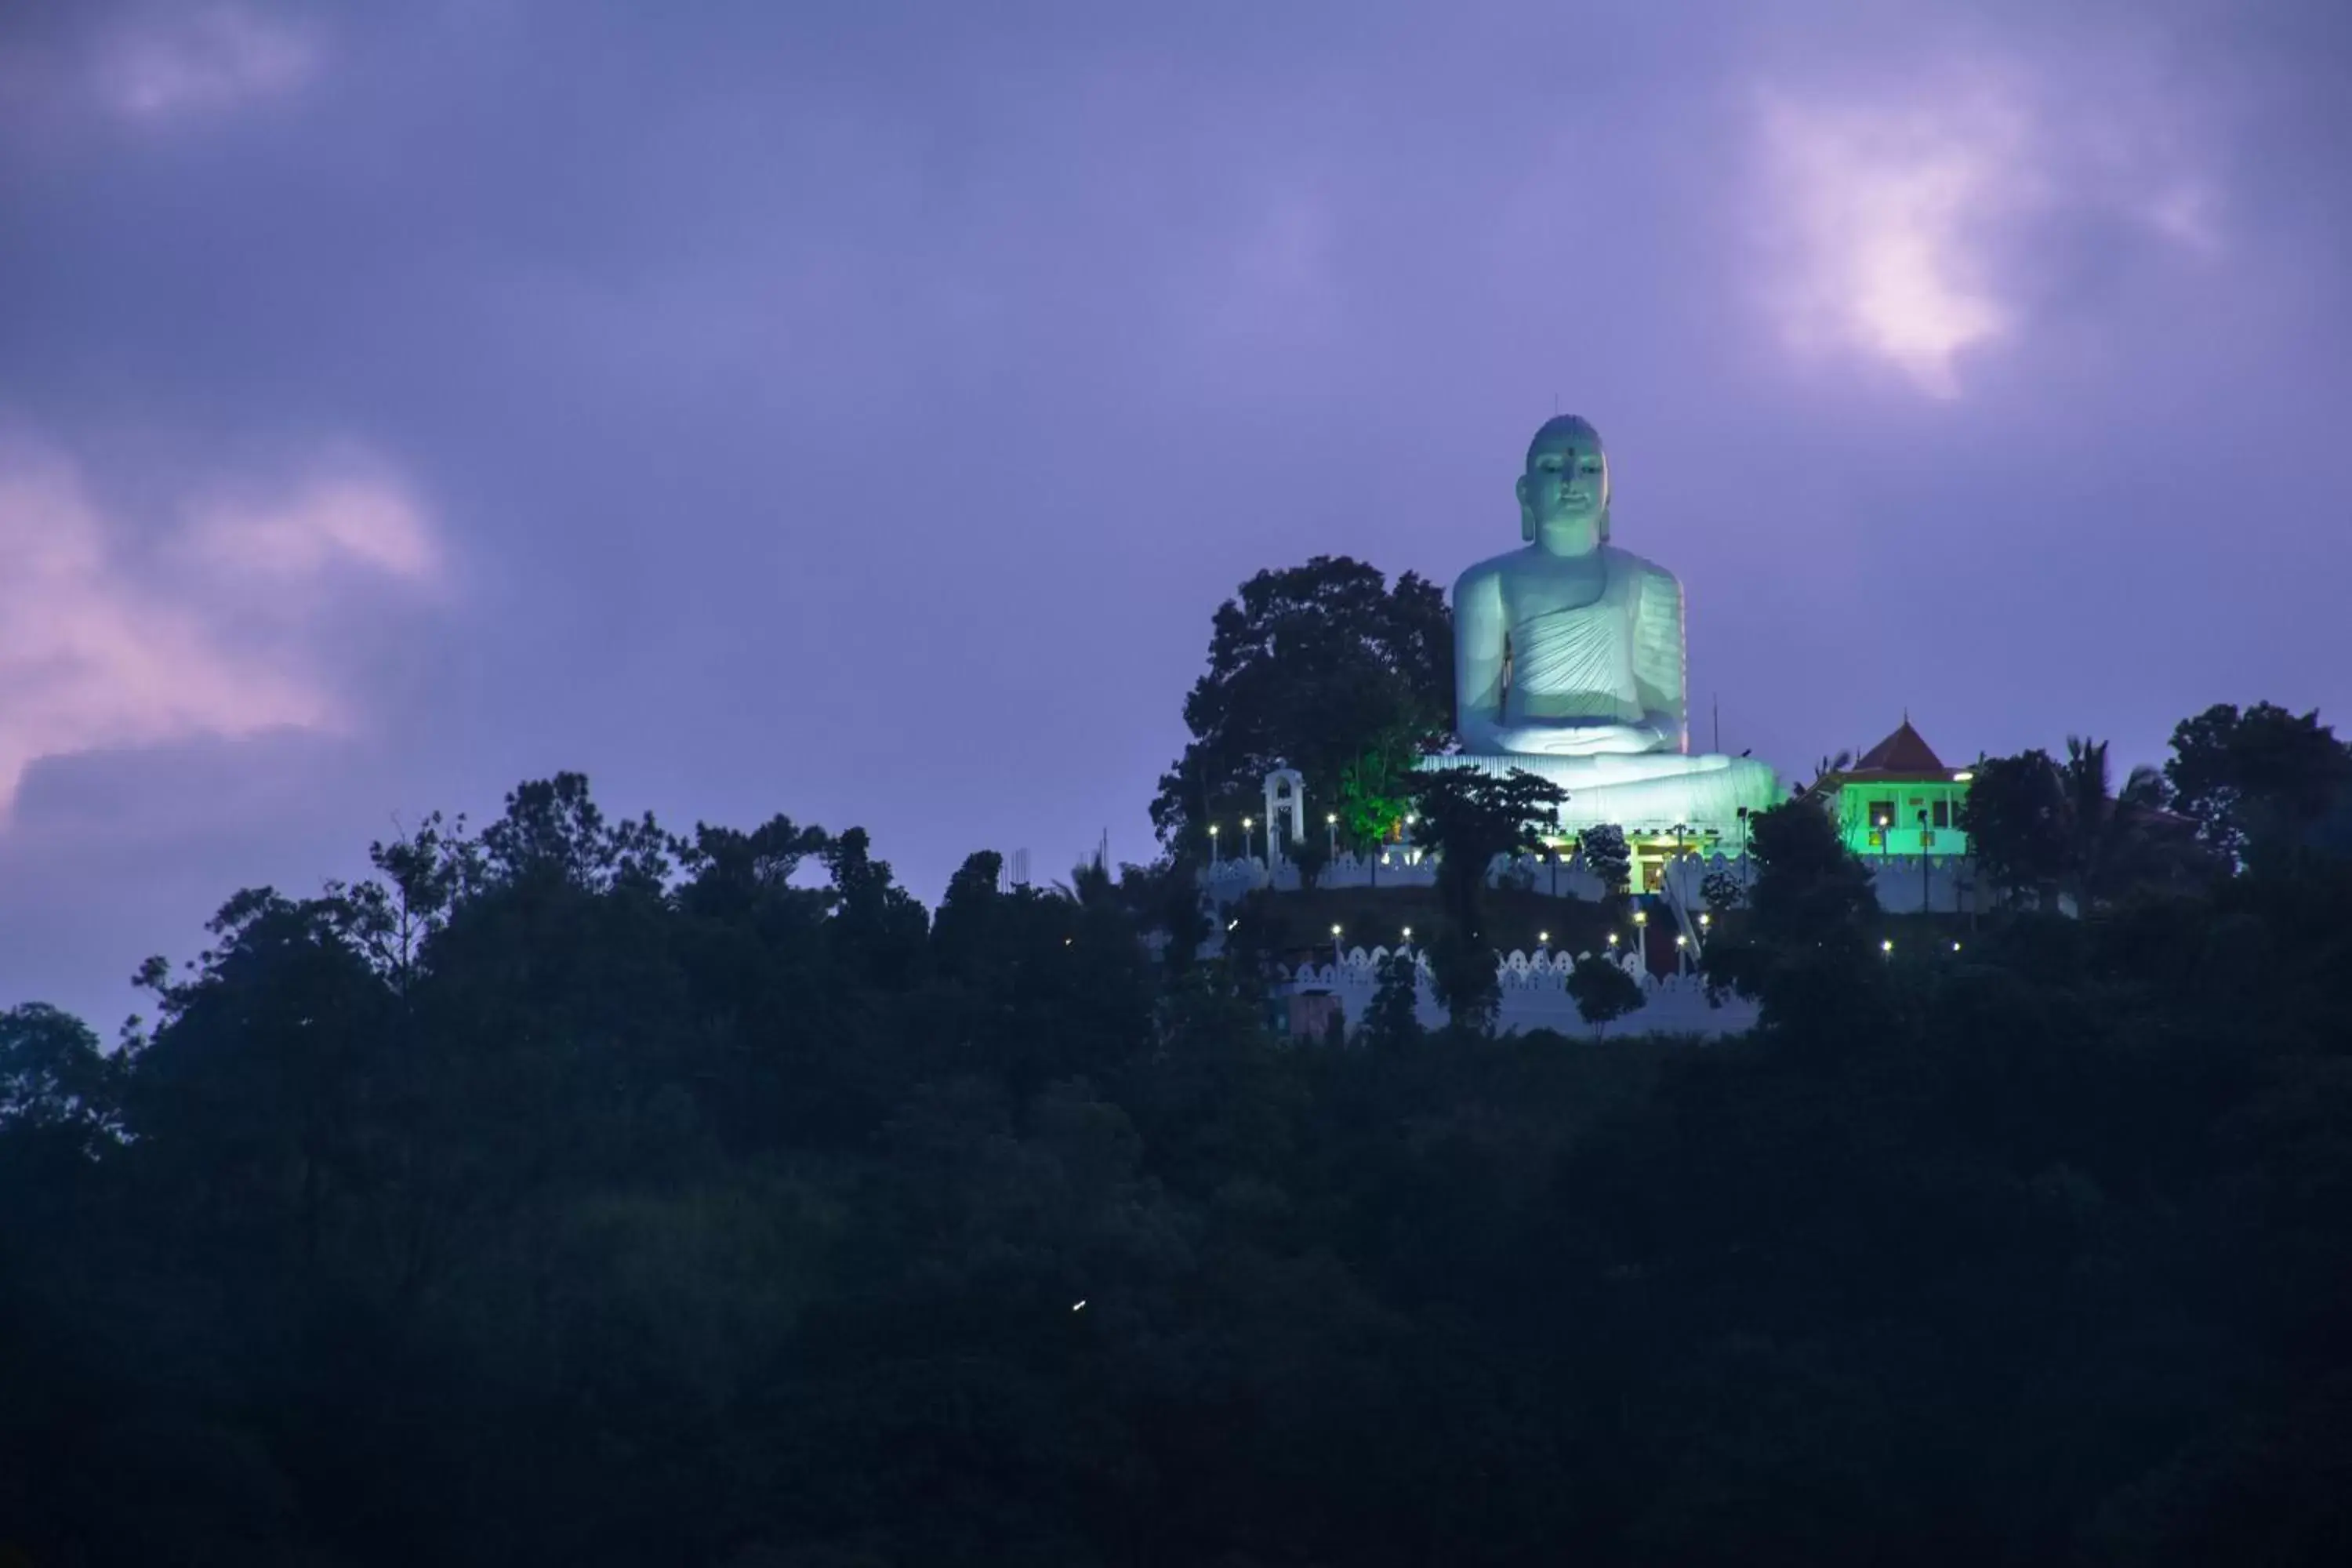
column 1901, row 752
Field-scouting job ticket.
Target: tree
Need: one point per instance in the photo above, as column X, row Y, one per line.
column 1607, row 857
column 55, row 1080
column 2043, row 827
column 1805, row 954
column 1391, row 1022
column 1467, row 818
column 2015, row 815
column 1602, row 992
column 1375, row 789
column 1810, row 891
column 1313, row 668
column 2109, row 839
column 2254, row 778
column 877, row 923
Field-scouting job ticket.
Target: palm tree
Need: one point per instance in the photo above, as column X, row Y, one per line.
column 2105, row 830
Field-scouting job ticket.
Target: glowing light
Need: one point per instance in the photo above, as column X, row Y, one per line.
column 1079, row 1305
column 1408, row 933
column 1887, row 945
column 1641, row 917
column 1613, row 939
column 1680, row 939
column 1882, row 219
column 1964, row 775
column 1335, row 931
column 1543, row 936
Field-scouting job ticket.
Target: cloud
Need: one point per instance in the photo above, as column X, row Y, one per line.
column 1883, row 214
column 350, row 512
column 170, row 64
column 212, row 631
column 1895, row 227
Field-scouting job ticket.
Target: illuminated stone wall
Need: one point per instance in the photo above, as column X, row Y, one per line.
column 1535, row 996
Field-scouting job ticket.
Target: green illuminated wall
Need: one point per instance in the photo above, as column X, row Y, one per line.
column 1864, row 802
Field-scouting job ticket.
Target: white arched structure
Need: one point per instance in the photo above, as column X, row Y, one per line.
column 1286, row 799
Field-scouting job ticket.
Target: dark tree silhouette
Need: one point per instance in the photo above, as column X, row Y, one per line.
column 1320, row 668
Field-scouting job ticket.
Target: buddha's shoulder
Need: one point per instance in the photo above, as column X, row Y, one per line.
column 1491, row 571
column 1641, row 566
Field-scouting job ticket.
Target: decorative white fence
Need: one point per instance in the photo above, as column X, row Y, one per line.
column 1535, row 996
column 1905, row 884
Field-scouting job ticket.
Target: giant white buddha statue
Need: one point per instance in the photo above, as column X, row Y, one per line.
column 1569, row 661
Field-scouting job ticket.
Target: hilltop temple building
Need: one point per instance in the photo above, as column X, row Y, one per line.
column 1899, row 799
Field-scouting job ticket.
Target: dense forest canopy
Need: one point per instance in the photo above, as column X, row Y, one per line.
column 578, row 1191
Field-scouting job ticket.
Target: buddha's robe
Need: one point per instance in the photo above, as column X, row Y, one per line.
column 1616, row 660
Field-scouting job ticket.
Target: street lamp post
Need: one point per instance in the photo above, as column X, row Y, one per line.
column 1331, row 821
column 1248, row 824
column 1212, row 845
column 1885, row 826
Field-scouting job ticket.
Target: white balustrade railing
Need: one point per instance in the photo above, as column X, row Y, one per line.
column 1534, row 996
column 1905, row 884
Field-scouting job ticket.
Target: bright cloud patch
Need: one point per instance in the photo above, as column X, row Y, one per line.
column 179, row 61
column 1884, row 215
column 104, row 643
column 1888, row 219
column 351, row 514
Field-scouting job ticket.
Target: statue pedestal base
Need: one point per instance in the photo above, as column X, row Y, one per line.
column 1644, row 793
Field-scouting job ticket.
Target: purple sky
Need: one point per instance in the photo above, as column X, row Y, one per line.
column 858, row 410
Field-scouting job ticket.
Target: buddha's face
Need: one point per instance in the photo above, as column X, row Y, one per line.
column 1564, row 494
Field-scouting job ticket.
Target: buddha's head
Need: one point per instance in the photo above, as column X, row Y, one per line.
column 1564, row 494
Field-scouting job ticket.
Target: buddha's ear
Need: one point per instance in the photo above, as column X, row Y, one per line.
column 1526, row 512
